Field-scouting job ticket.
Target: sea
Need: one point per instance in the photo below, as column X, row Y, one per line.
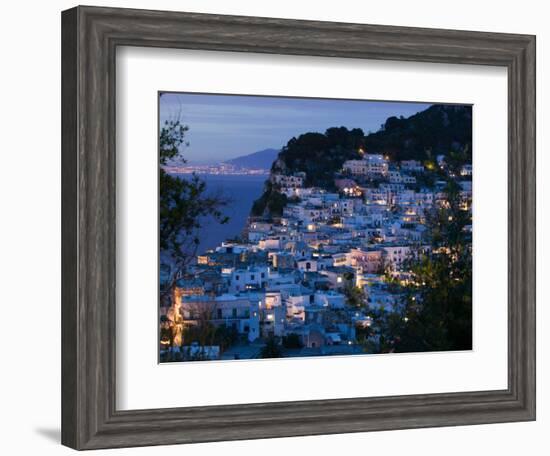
column 241, row 191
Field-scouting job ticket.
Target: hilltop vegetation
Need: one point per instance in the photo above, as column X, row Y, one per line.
column 272, row 202
column 438, row 130
column 320, row 155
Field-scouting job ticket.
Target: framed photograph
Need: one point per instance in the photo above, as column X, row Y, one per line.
column 280, row 228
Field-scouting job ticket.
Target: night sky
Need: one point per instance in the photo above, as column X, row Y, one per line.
column 222, row 127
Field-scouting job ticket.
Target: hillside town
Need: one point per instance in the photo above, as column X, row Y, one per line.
column 320, row 278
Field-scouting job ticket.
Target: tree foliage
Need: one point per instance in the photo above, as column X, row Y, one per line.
column 271, row 203
column 292, row 340
column 271, row 349
column 184, row 203
column 438, row 311
column 320, row 155
column 440, row 129
column 355, row 296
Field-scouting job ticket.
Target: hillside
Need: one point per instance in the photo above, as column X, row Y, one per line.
column 438, row 130
column 320, row 155
column 261, row 159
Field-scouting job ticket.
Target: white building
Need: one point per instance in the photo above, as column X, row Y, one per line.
column 297, row 192
column 412, row 165
column 376, row 196
column 466, row 170
column 295, row 180
column 371, row 165
column 396, row 177
column 247, row 279
column 341, row 207
column 271, row 243
column 395, row 255
column 307, row 265
column 230, row 310
column 330, row 298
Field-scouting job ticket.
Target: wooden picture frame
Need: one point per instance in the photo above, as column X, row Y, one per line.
column 90, row 36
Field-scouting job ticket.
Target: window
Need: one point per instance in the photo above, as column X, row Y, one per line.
column 237, row 278
column 219, row 313
column 234, row 312
column 252, row 277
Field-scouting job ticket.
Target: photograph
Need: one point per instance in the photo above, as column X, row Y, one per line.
column 296, row 227
column 276, row 228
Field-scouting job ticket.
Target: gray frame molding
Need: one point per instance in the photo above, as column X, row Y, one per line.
column 89, row 39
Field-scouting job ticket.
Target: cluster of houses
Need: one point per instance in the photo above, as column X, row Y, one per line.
column 290, row 278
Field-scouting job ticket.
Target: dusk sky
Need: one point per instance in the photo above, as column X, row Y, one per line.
column 222, row 127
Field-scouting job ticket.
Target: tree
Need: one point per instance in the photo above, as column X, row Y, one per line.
column 422, row 136
column 271, row 349
column 438, row 311
column 292, row 340
column 203, row 333
column 455, row 159
column 184, row 204
column 271, row 202
column 355, row 296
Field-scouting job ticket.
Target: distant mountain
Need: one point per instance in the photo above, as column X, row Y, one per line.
column 261, row 159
